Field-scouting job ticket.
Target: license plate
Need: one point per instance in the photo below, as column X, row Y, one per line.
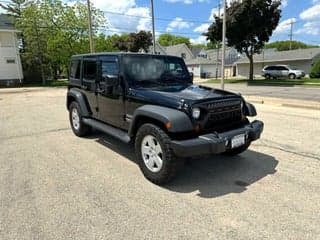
column 238, row 141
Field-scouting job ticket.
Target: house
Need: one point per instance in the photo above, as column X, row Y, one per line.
column 199, row 52
column 203, row 67
column 160, row 50
column 301, row 58
column 10, row 62
column 180, row 50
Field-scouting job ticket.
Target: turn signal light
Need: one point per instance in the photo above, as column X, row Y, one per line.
column 168, row 125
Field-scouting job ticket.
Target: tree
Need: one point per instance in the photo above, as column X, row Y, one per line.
column 250, row 24
column 168, row 39
column 53, row 31
column 14, row 8
column 285, row 45
column 133, row 42
column 315, row 71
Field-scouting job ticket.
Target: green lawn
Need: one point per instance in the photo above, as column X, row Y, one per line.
column 276, row 82
column 52, row 83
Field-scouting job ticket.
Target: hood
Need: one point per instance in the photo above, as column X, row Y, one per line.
column 172, row 96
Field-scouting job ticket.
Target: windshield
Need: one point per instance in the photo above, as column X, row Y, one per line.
column 147, row 70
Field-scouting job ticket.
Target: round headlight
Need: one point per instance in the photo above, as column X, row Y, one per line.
column 196, row 113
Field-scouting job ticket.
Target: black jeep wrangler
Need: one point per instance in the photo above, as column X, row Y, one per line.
column 151, row 100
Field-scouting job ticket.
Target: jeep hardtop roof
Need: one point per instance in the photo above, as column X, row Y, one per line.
column 119, row 54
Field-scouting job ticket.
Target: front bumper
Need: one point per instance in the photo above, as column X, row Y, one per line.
column 215, row 143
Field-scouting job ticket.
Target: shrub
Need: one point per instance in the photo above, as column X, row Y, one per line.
column 315, row 71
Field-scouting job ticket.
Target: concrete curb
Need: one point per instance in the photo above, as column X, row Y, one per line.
column 284, row 102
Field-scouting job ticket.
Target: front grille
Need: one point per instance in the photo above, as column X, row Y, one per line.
column 220, row 113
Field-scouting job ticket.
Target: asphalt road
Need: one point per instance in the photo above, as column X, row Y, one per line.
column 54, row 185
column 297, row 92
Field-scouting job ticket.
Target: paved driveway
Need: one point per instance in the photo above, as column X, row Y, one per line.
column 54, row 185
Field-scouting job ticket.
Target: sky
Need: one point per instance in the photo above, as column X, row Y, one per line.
column 190, row 18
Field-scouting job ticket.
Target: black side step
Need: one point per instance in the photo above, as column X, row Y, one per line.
column 115, row 132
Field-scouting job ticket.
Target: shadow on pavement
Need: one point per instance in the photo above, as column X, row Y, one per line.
column 210, row 176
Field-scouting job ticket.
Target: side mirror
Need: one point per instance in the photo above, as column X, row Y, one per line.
column 191, row 76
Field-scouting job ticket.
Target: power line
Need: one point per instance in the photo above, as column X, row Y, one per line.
column 160, row 19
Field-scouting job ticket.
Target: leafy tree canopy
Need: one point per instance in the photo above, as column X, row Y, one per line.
column 168, row 39
column 250, row 24
column 285, row 45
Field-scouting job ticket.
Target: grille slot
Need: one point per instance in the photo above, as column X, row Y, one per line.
column 223, row 113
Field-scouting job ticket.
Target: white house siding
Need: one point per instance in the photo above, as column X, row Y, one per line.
column 10, row 64
column 195, row 69
column 243, row 68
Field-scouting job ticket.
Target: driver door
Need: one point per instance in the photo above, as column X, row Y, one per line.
column 110, row 99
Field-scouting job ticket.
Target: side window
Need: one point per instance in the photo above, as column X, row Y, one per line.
column 75, row 69
column 89, row 70
column 109, row 68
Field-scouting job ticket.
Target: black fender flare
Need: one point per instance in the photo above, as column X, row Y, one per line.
column 180, row 121
column 81, row 100
column 250, row 110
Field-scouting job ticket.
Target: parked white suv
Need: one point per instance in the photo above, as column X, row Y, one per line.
column 282, row 71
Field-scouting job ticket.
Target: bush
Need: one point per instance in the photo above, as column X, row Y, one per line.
column 315, row 71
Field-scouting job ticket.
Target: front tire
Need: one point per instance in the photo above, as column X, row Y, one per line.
column 155, row 156
column 78, row 127
column 292, row 76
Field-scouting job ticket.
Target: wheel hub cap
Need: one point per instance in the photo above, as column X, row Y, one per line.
column 152, row 153
column 75, row 119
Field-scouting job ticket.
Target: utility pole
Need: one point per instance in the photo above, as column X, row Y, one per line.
column 291, row 33
column 224, row 30
column 153, row 29
column 218, row 45
column 90, row 27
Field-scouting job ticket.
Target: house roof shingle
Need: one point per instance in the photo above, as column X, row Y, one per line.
column 176, row 50
column 276, row 56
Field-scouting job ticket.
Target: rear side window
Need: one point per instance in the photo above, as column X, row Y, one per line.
column 109, row 68
column 75, row 69
column 89, row 69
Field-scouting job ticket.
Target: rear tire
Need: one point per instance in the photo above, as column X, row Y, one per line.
column 155, row 156
column 78, row 127
column 237, row 151
column 268, row 76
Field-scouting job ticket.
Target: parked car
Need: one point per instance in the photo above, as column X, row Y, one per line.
column 150, row 100
column 282, row 71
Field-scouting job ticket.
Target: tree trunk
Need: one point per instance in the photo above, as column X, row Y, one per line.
column 251, row 67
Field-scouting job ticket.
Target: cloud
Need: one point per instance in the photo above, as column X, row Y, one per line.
column 284, row 3
column 186, row 1
column 178, row 23
column 284, row 26
column 311, row 13
column 124, row 15
column 202, row 28
column 311, row 16
column 214, row 12
column 199, row 40
column 310, row 28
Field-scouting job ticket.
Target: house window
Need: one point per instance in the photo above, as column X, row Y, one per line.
column 10, row 60
column 183, row 55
